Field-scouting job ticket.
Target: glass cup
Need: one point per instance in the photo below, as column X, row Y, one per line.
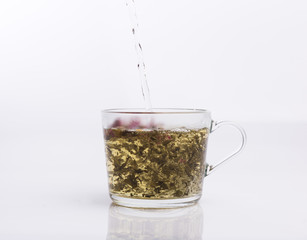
column 157, row 158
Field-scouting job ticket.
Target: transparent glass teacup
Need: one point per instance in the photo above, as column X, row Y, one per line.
column 157, row 158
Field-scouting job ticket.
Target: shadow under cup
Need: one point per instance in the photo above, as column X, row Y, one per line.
column 157, row 158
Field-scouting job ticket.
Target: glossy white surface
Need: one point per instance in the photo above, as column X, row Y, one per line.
column 53, row 186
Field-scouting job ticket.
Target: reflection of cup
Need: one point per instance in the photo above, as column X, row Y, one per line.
column 153, row 224
column 156, row 159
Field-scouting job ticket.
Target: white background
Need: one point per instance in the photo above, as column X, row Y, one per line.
column 62, row 61
column 244, row 60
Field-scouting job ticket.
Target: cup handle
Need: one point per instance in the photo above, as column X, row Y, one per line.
column 215, row 126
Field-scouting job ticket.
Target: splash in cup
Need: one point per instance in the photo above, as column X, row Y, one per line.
column 157, row 158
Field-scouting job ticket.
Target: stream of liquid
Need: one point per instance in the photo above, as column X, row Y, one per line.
column 138, row 47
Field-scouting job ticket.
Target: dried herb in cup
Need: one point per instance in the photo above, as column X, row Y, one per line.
column 155, row 164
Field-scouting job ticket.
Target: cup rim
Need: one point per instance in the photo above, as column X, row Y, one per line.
column 154, row 111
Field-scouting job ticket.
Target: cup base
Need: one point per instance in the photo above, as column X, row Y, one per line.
column 148, row 203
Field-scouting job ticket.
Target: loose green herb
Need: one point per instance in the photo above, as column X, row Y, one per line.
column 155, row 164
